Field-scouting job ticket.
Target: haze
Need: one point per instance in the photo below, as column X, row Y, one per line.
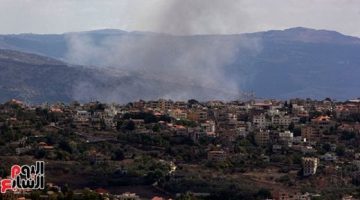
column 218, row 17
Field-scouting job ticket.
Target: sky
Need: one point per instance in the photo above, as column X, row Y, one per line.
column 207, row 16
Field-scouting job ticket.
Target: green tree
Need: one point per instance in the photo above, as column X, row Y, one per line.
column 264, row 194
column 130, row 125
column 118, row 155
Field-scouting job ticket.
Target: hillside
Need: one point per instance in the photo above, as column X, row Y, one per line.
column 38, row 79
column 296, row 62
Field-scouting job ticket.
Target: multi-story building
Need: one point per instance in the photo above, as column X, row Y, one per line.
column 180, row 105
column 82, row 118
column 281, row 120
column 178, row 114
column 216, row 155
column 262, row 138
column 323, row 123
column 260, row 121
column 310, row 165
column 310, row 134
column 198, row 115
column 208, row 127
column 286, row 138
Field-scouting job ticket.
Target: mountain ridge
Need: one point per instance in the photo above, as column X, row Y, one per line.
column 295, row 62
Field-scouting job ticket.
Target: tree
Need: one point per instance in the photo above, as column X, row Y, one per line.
column 39, row 154
column 193, row 101
column 156, row 128
column 264, row 194
column 340, row 150
column 118, row 155
column 65, row 145
column 326, row 147
column 346, row 135
column 291, row 126
column 130, row 125
column 186, row 196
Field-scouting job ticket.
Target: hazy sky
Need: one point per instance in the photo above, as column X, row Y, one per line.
column 207, row 16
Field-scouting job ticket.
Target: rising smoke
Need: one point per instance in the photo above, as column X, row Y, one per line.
column 176, row 65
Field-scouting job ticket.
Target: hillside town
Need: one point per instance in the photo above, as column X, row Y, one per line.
column 297, row 149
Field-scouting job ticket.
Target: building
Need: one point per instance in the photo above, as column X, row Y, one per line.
column 198, row 115
column 286, row 138
column 208, row 127
column 310, row 134
column 178, row 114
column 127, row 196
column 281, row 120
column 216, row 155
column 260, row 121
column 262, row 138
column 82, row 118
column 310, row 165
column 323, row 123
column 286, row 195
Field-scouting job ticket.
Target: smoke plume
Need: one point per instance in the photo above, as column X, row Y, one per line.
column 176, row 64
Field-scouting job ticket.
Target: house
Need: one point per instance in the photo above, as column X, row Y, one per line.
column 309, row 165
column 281, row 120
column 198, row 115
column 101, row 191
column 180, row 130
column 139, row 104
column 328, row 157
column 217, row 155
column 180, row 105
column 260, row 121
column 158, row 198
column 262, row 138
column 44, row 146
column 178, row 114
column 208, row 127
column 281, row 195
column 347, row 109
column 164, row 104
column 348, row 197
column 139, row 123
column 323, row 123
column 82, row 118
column 288, row 195
column 350, row 127
column 109, row 122
column 21, row 150
column 356, row 163
column 127, row 196
column 97, row 158
column 286, row 138
column 306, row 149
column 310, row 134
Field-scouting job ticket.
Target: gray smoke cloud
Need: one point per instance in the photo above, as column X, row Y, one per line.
column 176, row 65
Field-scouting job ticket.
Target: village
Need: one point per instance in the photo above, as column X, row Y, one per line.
column 297, row 149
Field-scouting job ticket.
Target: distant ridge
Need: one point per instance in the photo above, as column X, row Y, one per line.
column 295, row 62
column 302, row 34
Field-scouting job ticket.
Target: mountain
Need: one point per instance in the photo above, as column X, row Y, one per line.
column 307, row 63
column 306, row 35
column 38, row 79
column 296, row 62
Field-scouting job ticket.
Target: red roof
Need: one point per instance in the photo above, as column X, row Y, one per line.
column 157, row 198
column 101, row 191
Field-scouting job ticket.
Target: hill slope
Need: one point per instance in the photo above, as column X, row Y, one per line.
column 297, row 62
column 38, row 79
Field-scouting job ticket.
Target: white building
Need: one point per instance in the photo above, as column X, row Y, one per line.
column 286, row 138
column 310, row 165
column 260, row 121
